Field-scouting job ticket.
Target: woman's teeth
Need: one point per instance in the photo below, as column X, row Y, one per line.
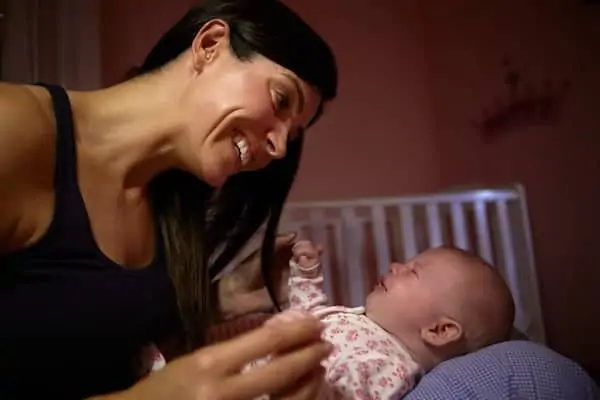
column 241, row 144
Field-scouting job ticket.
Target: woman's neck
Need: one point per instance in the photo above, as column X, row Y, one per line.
column 128, row 130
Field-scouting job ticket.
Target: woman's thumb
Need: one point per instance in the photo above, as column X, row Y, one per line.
column 285, row 239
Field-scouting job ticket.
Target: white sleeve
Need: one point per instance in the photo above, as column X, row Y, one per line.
column 306, row 288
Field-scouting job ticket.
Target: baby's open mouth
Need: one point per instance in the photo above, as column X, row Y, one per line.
column 382, row 283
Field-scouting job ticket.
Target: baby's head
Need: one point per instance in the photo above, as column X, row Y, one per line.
column 445, row 300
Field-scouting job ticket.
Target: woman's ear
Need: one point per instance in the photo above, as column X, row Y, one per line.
column 210, row 40
column 443, row 332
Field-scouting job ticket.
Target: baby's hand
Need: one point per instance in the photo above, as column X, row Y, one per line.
column 306, row 254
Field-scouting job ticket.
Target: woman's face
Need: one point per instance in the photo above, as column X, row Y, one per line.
column 240, row 115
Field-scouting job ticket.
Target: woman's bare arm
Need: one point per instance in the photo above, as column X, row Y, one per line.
column 26, row 166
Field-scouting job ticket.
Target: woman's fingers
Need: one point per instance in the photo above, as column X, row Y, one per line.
column 308, row 388
column 281, row 374
column 230, row 356
column 285, row 239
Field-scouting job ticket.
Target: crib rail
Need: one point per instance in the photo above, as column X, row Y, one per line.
column 361, row 237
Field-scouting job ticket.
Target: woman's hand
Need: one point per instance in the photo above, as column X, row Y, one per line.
column 243, row 291
column 214, row 372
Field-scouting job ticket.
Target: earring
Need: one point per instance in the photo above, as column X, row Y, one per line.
column 208, row 55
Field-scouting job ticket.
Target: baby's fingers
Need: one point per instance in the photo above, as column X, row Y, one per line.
column 305, row 248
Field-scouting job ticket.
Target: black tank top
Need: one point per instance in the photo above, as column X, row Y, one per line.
column 72, row 322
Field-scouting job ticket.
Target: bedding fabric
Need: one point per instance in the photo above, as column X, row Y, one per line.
column 510, row 370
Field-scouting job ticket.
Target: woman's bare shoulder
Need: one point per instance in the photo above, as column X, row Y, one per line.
column 26, row 131
column 25, row 105
column 26, row 154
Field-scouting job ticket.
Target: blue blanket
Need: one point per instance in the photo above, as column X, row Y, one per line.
column 512, row 370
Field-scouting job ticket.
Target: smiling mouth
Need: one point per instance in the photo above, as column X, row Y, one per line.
column 381, row 283
column 243, row 149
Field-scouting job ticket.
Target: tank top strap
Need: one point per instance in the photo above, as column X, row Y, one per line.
column 70, row 225
column 65, row 173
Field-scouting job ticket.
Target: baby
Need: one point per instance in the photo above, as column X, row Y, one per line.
column 443, row 303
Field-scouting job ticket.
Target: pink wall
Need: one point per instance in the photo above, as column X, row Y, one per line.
column 549, row 40
column 413, row 76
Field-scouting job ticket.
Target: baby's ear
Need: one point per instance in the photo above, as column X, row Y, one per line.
column 443, row 332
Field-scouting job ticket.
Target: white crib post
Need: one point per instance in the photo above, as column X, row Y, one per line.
column 319, row 230
column 407, row 218
column 510, row 267
column 338, row 237
column 483, row 228
column 528, row 273
column 459, row 225
column 354, row 248
column 382, row 246
column 434, row 225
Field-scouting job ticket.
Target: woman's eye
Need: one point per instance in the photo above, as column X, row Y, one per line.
column 282, row 101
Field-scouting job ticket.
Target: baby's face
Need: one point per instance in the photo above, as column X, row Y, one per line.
column 416, row 293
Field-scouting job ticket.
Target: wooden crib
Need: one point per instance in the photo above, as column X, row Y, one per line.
column 362, row 236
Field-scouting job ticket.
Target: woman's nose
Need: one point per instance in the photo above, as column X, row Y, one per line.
column 276, row 143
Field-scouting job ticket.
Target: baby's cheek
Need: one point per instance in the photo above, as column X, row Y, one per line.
column 394, row 307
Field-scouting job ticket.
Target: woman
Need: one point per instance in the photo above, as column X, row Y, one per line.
column 119, row 206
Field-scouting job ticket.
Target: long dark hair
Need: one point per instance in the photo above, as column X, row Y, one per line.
column 198, row 223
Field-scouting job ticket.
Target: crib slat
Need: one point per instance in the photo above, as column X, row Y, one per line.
column 338, row 263
column 338, row 238
column 382, row 245
column 459, row 226
column 434, row 225
column 353, row 245
column 527, row 272
column 508, row 255
column 319, row 231
column 407, row 218
column 483, row 228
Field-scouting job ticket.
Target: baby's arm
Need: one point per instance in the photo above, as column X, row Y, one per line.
column 306, row 278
